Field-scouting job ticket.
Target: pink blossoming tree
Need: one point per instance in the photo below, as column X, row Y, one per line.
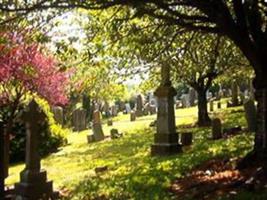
column 26, row 71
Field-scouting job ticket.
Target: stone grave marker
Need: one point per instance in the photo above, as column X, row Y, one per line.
column 219, row 105
column 127, row 108
column 251, row 115
column 216, row 129
column 33, row 181
column 97, row 127
column 79, row 119
column 139, row 106
column 114, row 134
column 211, row 106
column 132, row 116
column 110, row 122
column 114, row 111
column 191, row 97
column 186, row 138
column 58, row 114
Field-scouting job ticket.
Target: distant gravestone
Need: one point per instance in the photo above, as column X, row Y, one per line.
column 114, row 134
column 79, row 119
column 146, row 109
column 139, row 105
column 216, row 129
column 97, row 127
column 33, row 181
column 127, row 108
column 184, row 100
column 132, row 116
column 114, row 111
column 152, row 109
column 186, row 138
column 192, row 97
column 219, row 105
column 58, row 114
column 251, row 115
column 211, row 106
column 110, row 122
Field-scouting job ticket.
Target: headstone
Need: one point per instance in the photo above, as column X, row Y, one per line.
column 127, row 108
column 146, row 109
column 132, row 116
column 114, row 111
column 216, row 129
column 251, row 115
column 114, row 134
column 33, row 181
column 90, row 138
column 110, row 122
column 211, row 106
column 58, row 114
column 97, row 127
column 178, row 104
column 219, row 105
column 186, row 138
column 139, row 105
column 192, row 97
column 79, row 119
column 184, row 100
column 166, row 138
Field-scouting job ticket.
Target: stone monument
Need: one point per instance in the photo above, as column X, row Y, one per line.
column 97, row 126
column 33, row 183
column 166, row 138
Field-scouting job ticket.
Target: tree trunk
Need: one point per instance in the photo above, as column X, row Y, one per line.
column 203, row 117
column 260, row 145
column 2, row 160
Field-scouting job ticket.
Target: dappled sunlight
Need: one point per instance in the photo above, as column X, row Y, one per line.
column 131, row 172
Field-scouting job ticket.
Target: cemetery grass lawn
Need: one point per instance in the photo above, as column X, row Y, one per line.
column 132, row 173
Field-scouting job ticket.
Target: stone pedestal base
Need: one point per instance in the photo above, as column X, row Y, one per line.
column 165, row 149
column 165, row 144
column 33, row 186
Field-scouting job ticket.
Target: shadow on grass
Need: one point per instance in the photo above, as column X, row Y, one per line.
column 134, row 174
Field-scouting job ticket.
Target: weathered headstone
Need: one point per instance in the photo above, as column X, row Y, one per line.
column 79, row 120
column 33, row 183
column 97, row 127
column 110, row 122
column 139, row 105
column 114, row 134
column 58, row 114
column 219, row 105
column 166, row 138
column 184, row 100
column 211, row 106
column 152, row 109
column 127, row 108
column 251, row 115
column 186, row 138
column 216, row 129
column 114, row 111
column 146, row 109
column 132, row 116
column 192, row 97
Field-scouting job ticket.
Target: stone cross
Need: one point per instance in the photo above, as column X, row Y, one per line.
column 33, row 117
column 33, row 182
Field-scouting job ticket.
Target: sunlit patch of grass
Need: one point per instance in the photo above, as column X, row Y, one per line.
column 132, row 173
